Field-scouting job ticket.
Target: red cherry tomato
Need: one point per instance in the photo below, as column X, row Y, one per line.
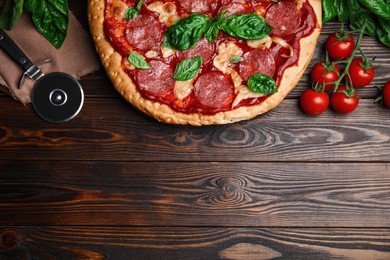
column 361, row 72
column 339, row 47
column 344, row 103
column 313, row 102
column 386, row 94
column 323, row 73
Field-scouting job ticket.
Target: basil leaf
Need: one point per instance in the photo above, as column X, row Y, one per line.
column 138, row 60
column 187, row 69
column 213, row 31
column 383, row 31
column 133, row 12
column 246, row 26
column 328, row 10
column 357, row 18
column 342, row 9
column 186, row 32
column 50, row 18
column 236, row 59
column 10, row 14
column 261, row 83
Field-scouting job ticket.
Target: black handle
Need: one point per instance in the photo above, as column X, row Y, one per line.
column 10, row 47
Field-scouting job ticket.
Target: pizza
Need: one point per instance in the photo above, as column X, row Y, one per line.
column 205, row 62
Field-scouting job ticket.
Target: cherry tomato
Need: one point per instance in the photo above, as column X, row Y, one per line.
column 361, row 72
column 339, row 47
column 323, row 73
column 344, row 101
column 386, row 94
column 313, row 102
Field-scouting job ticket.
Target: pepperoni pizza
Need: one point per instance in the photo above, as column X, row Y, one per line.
column 205, row 61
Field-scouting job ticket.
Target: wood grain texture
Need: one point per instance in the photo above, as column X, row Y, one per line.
column 115, row 184
column 194, row 243
column 195, row 194
column 111, row 130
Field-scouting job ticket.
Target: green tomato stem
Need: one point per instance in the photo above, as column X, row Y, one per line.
column 349, row 60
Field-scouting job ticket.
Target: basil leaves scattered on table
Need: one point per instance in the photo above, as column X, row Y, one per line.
column 50, row 17
column 376, row 13
column 187, row 69
column 186, row 32
column 261, row 83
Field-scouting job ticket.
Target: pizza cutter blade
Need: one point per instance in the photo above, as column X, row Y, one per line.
column 56, row 97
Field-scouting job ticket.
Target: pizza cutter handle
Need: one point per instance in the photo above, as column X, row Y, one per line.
column 10, row 47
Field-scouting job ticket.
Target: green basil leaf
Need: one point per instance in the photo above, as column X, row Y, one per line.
column 342, row 9
column 213, row 30
column 328, row 10
column 236, row 59
column 246, row 26
column 187, row 69
column 261, row 83
column 186, row 32
column 10, row 13
column 357, row 18
column 50, row 18
column 138, row 60
column 133, row 12
column 377, row 8
column 383, row 31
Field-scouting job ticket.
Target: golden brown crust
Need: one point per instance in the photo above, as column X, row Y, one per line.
column 112, row 61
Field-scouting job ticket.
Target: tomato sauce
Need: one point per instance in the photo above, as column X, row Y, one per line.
column 115, row 30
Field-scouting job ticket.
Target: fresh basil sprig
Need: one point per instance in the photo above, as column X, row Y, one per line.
column 138, row 60
column 133, row 12
column 10, row 14
column 213, row 30
column 375, row 13
column 186, row 32
column 246, row 26
column 187, row 69
column 50, row 17
column 261, row 83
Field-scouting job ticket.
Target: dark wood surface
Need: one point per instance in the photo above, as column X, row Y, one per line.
column 113, row 183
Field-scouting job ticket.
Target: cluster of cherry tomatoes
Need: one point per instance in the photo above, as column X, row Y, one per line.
column 334, row 86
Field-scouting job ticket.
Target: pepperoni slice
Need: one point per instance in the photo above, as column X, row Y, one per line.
column 144, row 32
column 214, row 90
column 257, row 61
column 202, row 48
column 158, row 80
column 198, row 6
column 284, row 18
column 234, row 7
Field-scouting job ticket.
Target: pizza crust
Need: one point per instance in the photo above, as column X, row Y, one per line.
column 112, row 61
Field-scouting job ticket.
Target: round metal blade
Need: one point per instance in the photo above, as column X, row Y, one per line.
column 57, row 97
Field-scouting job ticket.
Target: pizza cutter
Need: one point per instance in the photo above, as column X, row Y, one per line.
column 56, row 97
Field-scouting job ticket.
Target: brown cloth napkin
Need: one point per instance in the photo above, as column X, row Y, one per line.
column 76, row 57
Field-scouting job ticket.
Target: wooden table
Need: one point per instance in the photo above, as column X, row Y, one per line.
column 113, row 183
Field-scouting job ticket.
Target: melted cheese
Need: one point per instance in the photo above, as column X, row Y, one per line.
column 244, row 93
column 166, row 52
column 167, row 12
column 118, row 9
column 183, row 89
column 236, row 78
column 260, row 44
column 226, row 51
column 151, row 54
